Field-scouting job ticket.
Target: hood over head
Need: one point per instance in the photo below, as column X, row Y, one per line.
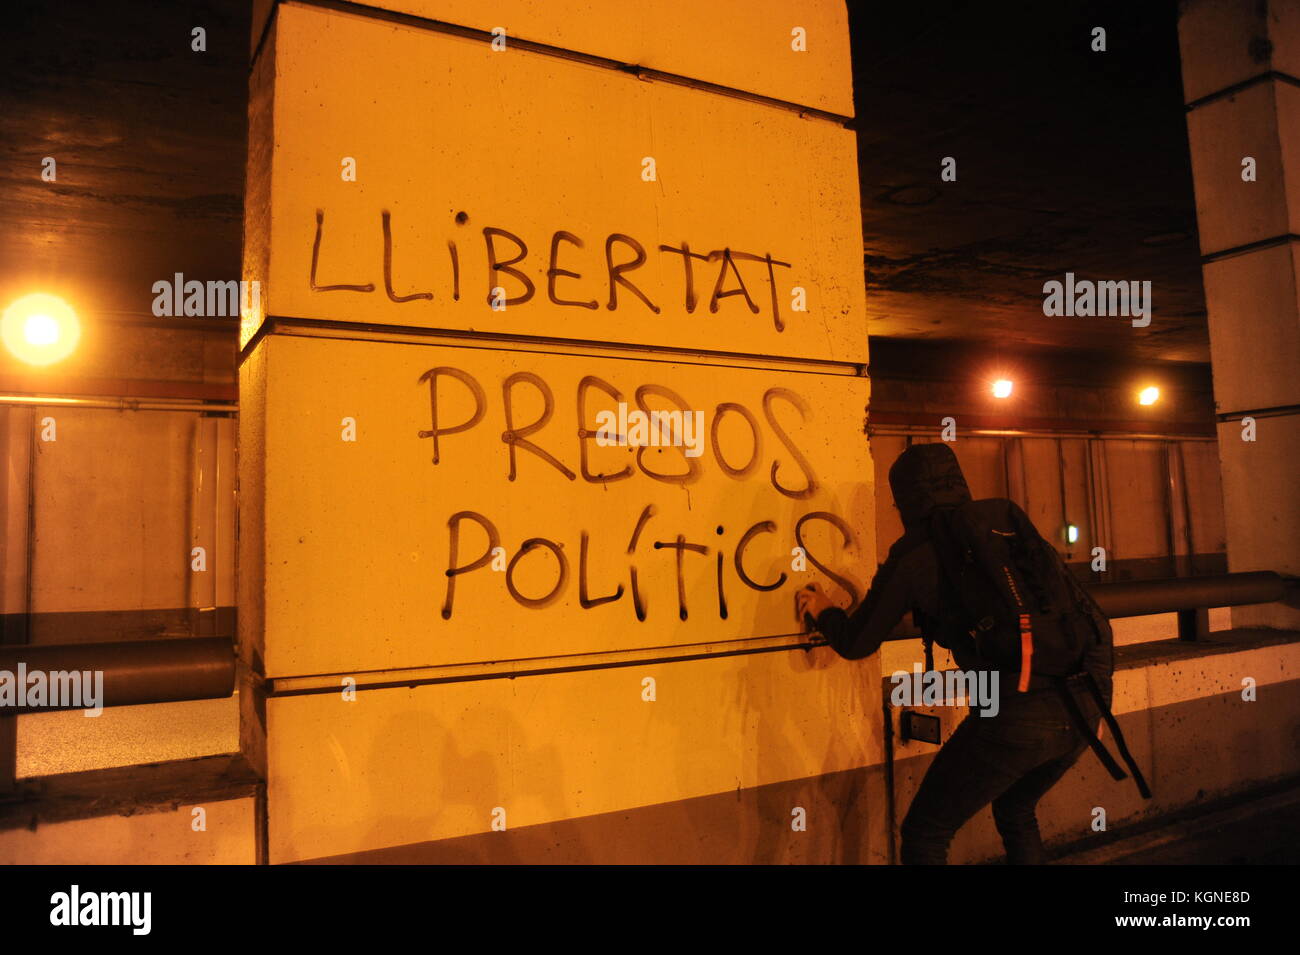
column 924, row 477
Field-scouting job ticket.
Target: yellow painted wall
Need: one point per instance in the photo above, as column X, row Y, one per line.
column 442, row 126
column 359, row 533
column 740, row 44
column 408, row 765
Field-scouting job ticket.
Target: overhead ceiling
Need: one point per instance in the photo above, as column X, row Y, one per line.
column 1067, row 160
column 148, row 136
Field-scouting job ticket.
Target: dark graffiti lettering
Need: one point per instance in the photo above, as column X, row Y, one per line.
column 685, row 252
column 638, row 601
column 517, row 437
column 762, row 527
column 453, row 571
column 591, row 381
column 722, row 596
column 756, row 436
column 475, row 389
column 533, row 543
column 508, row 266
column 455, row 270
column 388, row 265
column 584, row 600
column 787, row 395
column 771, row 281
column 718, row 293
column 648, row 454
column 730, row 279
column 677, row 543
column 616, row 271
column 555, row 272
column 681, row 546
column 315, row 260
column 839, row 524
column 692, row 472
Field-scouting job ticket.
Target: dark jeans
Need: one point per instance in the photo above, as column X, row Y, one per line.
column 1011, row 760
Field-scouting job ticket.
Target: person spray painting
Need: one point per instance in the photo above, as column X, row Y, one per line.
column 983, row 584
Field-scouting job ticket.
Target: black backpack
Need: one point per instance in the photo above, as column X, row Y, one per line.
column 1010, row 604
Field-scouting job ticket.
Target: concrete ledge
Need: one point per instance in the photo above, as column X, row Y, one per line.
column 127, row 791
column 1139, row 655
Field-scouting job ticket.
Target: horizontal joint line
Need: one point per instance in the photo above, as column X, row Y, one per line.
column 1277, row 411
column 499, row 674
column 1255, row 246
column 590, row 59
column 451, row 337
column 1243, row 85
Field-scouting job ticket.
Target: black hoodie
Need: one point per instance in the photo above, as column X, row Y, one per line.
column 924, row 477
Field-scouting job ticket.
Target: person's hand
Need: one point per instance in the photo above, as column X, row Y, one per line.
column 811, row 600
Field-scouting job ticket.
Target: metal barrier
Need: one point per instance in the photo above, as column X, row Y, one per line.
column 169, row 671
column 138, row 671
column 1140, row 597
column 1189, row 597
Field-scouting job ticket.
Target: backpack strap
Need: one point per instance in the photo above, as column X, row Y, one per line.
column 1081, row 724
column 1120, row 743
column 1026, row 652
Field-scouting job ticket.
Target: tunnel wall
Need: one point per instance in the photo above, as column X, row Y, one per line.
column 1154, row 505
column 104, row 505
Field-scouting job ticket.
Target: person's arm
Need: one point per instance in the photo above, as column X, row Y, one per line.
column 859, row 634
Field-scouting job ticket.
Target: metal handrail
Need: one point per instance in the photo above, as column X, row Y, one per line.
column 1135, row 598
column 1187, row 596
column 168, row 671
column 134, row 671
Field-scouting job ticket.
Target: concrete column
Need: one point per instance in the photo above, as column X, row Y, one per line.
column 1241, row 84
column 474, row 230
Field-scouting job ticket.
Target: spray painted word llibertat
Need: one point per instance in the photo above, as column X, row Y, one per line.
column 707, row 277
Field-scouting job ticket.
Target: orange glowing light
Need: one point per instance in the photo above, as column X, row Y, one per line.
column 1002, row 388
column 40, row 329
column 1149, row 395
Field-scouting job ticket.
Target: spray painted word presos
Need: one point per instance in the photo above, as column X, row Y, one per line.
column 517, row 436
column 639, row 547
column 710, row 276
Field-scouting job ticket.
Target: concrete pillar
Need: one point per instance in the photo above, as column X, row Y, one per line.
column 475, row 228
column 1241, row 83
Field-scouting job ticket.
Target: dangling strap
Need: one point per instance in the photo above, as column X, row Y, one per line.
column 1112, row 767
column 1081, row 724
column 929, row 653
column 1120, row 744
